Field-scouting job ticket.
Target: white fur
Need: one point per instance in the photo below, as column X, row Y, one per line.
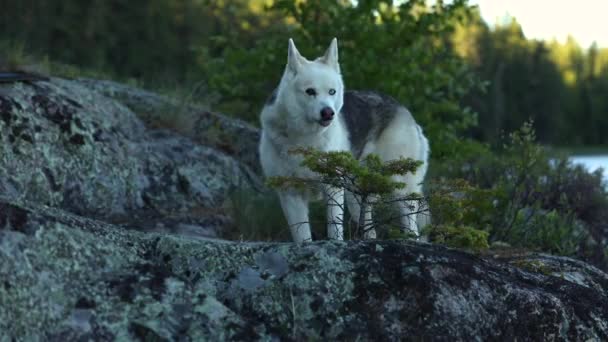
column 403, row 138
column 293, row 121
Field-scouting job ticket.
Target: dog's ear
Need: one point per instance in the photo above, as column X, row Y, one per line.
column 294, row 59
column 331, row 55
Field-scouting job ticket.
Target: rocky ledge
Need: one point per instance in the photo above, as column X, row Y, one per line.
column 66, row 277
column 78, row 170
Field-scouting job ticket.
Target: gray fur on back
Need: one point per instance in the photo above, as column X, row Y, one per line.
column 366, row 115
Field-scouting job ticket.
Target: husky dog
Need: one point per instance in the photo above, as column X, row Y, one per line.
column 310, row 108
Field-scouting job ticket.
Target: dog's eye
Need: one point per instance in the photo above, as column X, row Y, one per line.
column 332, row 91
column 311, row 92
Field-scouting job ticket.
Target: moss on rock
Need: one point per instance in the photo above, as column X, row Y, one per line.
column 66, row 276
column 77, row 167
column 68, row 146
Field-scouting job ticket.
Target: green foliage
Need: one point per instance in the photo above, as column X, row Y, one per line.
column 394, row 49
column 535, row 266
column 523, row 197
column 460, row 237
column 238, row 48
column 515, row 195
column 455, row 202
column 456, row 208
column 13, row 56
column 431, row 58
column 395, row 232
column 559, row 85
column 549, row 231
column 256, row 217
column 367, row 177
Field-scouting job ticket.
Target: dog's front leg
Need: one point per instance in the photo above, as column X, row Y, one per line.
column 295, row 208
column 335, row 213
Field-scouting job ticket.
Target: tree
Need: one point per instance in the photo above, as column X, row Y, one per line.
column 368, row 180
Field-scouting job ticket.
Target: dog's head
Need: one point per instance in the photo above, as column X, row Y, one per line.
column 312, row 91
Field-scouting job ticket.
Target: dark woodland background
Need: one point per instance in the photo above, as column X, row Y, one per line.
column 232, row 53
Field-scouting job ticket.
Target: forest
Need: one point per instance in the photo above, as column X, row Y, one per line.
column 229, row 55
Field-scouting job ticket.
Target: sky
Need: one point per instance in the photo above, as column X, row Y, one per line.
column 585, row 20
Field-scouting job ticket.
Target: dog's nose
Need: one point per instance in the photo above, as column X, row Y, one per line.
column 327, row 113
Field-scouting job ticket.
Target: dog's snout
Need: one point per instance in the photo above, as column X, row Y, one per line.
column 327, row 113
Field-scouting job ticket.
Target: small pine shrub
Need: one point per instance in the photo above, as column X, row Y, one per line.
column 368, row 179
column 459, row 236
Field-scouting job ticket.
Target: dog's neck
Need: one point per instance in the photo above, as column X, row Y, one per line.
column 283, row 135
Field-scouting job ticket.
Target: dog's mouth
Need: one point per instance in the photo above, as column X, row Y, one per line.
column 325, row 123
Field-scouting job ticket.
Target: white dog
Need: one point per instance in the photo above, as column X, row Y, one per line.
column 310, row 108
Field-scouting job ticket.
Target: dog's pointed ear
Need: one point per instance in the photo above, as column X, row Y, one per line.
column 294, row 59
column 331, row 55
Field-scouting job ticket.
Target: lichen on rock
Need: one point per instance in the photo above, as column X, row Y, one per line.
column 78, row 171
column 68, row 146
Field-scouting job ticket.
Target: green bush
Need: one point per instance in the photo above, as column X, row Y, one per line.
column 548, row 231
column 524, row 197
column 368, row 179
column 460, row 237
column 399, row 50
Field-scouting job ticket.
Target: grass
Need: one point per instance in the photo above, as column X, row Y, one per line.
column 14, row 57
column 257, row 216
column 178, row 118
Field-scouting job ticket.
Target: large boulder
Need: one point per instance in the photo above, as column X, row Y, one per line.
column 67, row 145
column 229, row 135
column 65, row 277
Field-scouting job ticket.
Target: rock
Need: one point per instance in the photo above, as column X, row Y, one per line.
column 66, row 277
column 69, row 146
column 232, row 136
column 78, row 167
